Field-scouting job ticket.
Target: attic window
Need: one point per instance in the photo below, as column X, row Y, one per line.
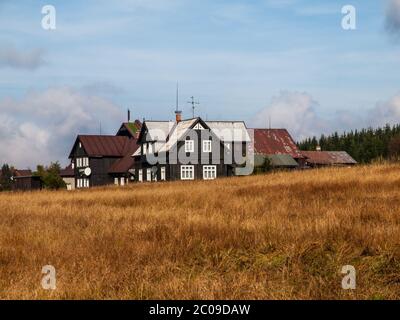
column 189, row 146
column 80, row 144
column 207, row 146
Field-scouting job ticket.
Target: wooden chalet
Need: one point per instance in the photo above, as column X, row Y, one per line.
column 189, row 149
column 25, row 180
column 315, row 159
column 278, row 147
column 98, row 160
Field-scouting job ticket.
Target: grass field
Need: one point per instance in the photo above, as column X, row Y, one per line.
column 275, row 236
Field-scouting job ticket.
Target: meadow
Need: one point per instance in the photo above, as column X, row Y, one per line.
column 284, row 235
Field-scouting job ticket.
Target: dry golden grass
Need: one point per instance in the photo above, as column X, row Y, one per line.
column 276, row 236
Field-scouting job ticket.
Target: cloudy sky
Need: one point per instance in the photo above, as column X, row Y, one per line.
column 285, row 60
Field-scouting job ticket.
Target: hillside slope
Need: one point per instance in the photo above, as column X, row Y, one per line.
column 275, row 236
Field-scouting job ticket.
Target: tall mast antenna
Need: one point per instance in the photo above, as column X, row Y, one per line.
column 193, row 103
column 177, row 96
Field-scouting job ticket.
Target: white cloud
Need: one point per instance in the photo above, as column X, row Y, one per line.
column 13, row 58
column 295, row 111
column 393, row 17
column 387, row 112
column 42, row 126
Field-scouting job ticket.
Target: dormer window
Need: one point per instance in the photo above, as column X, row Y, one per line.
column 189, row 146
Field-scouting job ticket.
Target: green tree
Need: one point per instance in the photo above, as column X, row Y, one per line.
column 51, row 176
column 6, row 177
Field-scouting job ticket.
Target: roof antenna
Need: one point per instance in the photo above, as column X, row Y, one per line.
column 177, row 96
column 129, row 115
column 193, row 103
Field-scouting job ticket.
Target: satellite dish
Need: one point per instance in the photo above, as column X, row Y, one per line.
column 87, row 172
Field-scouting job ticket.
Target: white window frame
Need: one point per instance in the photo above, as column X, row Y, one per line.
column 207, row 146
column 189, row 146
column 148, row 175
column 163, row 174
column 79, row 162
column 140, row 175
column 187, row 172
column 227, row 146
column 83, row 183
column 144, row 148
column 209, row 172
column 122, row 181
column 116, row 182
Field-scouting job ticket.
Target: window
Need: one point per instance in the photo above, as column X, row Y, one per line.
column 85, row 162
column 187, row 172
column 150, row 148
column 227, row 146
column 163, row 177
column 209, row 172
column 116, row 181
column 148, row 175
column 82, row 162
column 189, row 146
column 207, row 145
column 122, row 181
column 140, row 175
column 144, row 148
column 83, row 183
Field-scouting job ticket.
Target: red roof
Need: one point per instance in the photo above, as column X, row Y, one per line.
column 22, row 173
column 67, row 172
column 132, row 127
column 124, row 164
column 275, row 141
column 328, row 157
column 103, row 146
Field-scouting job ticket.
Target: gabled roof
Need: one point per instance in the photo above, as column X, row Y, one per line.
column 126, row 162
column 275, row 141
column 67, row 172
column 132, row 128
column 157, row 130
column 22, row 173
column 230, row 131
column 328, row 157
column 177, row 132
column 103, row 146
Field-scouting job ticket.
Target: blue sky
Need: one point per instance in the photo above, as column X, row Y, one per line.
column 289, row 60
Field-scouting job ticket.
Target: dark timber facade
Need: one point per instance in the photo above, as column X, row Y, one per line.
column 190, row 149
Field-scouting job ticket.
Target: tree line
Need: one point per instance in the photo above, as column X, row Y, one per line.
column 50, row 176
column 365, row 145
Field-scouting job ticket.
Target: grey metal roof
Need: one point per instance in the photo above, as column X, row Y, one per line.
column 276, row 160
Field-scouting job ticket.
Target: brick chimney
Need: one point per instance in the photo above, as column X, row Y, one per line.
column 178, row 116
